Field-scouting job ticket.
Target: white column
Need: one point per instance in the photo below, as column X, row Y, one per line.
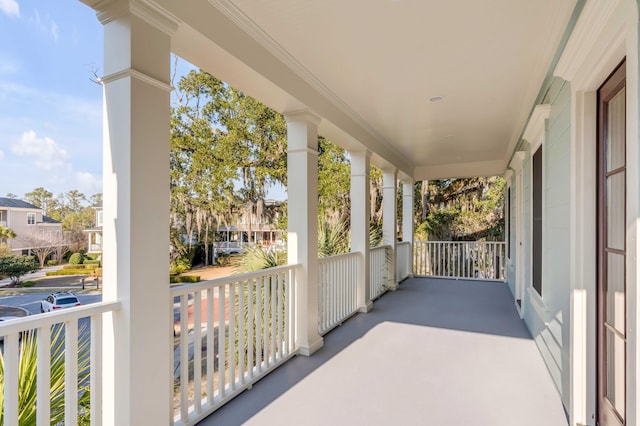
column 136, row 351
column 389, row 218
column 407, row 219
column 360, row 209
column 302, row 160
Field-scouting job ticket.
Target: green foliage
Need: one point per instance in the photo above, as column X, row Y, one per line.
column 183, row 279
column 332, row 239
column 5, row 250
column 256, row 258
column 27, row 283
column 52, row 262
column 88, row 261
column 15, row 267
column 6, row 233
column 462, row 209
column 27, row 382
column 179, row 266
column 68, row 272
column 73, row 266
column 76, row 259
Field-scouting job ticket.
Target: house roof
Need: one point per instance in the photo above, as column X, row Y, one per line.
column 47, row 219
column 16, row 203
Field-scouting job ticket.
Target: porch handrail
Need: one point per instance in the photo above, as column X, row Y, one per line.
column 41, row 324
column 460, row 259
column 239, row 328
column 379, row 270
column 337, row 284
column 404, row 260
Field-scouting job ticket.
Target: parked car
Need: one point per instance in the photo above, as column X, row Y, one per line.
column 59, row 301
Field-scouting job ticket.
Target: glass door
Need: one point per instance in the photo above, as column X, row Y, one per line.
column 612, row 250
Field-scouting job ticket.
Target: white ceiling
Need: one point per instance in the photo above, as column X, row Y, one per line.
column 369, row 67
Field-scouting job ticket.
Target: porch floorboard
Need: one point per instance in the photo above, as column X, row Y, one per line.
column 434, row 352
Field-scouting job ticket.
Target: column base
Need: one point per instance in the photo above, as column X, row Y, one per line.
column 392, row 287
column 308, row 350
column 366, row 308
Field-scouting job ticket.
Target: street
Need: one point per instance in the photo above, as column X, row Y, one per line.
column 31, row 301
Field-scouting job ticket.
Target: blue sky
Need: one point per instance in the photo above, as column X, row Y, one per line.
column 50, row 109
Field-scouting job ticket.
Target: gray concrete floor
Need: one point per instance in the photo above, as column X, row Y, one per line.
column 434, row 352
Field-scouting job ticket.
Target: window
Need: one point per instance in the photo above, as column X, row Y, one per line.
column 31, row 218
column 537, row 222
column 99, row 218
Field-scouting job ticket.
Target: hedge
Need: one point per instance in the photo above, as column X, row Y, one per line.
column 73, row 267
column 68, row 272
column 91, row 262
column 183, row 279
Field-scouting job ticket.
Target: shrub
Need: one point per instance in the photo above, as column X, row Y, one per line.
column 73, row 267
column 179, row 266
column 91, row 266
column 52, row 262
column 183, row 279
column 17, row 266
column 68, row 272
column 91, row 262
column 28, row 283
column 76, row 259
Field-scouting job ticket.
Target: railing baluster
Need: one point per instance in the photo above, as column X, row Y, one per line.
column 210, row 346
column 222, row 364
column 184, row 357
column 71, row 373
column 43, row 402
column 241, row 331
column 197, row 351
column 96, row 368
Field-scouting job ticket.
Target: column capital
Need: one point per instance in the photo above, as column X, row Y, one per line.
column 110, row 10
column 305, row 115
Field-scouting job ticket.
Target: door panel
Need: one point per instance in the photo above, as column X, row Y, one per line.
column 612, row 254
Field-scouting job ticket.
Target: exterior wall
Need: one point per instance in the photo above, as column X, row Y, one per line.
column 547, row 316
column 17, row 221
column 511, row 214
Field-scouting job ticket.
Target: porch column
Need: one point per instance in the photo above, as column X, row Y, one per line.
column 302, row 160
column 407, row 219
column 389, row 219
column 360, row 210
column 136, row 379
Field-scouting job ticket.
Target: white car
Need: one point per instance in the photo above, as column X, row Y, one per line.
column 57, row 301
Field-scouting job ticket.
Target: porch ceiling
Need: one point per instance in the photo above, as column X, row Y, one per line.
column 369, row 68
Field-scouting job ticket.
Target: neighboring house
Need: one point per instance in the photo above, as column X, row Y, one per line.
column 33, row 229
column 94, row 235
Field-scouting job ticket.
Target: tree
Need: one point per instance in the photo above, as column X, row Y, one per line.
column 11, row 195
column 43, row 244
column 16, row 266
column 42, row 198
column 6, row 233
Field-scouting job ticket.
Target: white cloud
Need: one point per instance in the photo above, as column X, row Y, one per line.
column 45, row 152
column 88, row 183
column 45, row 24
column 1, row 155
column 10, row 7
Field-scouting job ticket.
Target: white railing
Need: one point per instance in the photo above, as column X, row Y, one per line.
column 230, row 332
column 403, row 260
column 337, row 282
column 460, row 259
column 379, row 271
column 67, row 342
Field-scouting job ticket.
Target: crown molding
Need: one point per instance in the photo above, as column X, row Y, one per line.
column 150, row 12
column 590, row 25
column 535, row 126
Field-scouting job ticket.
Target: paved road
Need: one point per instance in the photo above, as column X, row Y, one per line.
column 31, row 301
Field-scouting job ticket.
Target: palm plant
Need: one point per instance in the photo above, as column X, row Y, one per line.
column 27, row 378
